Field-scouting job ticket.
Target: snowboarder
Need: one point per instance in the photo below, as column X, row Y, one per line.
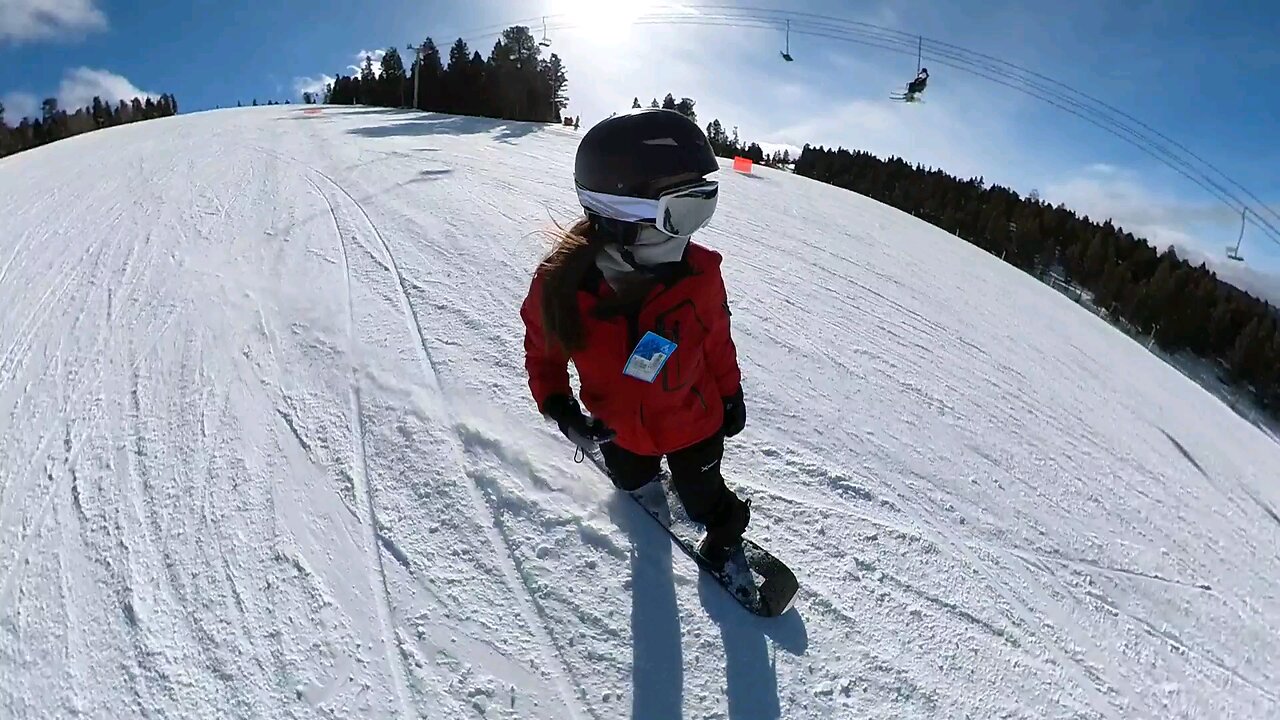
column 642, row 313
column 915, row 87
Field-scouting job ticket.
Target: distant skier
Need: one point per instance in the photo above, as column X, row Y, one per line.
column 915, row 87
column 642, row 313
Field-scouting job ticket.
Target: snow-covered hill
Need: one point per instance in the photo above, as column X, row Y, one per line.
column 267, row 450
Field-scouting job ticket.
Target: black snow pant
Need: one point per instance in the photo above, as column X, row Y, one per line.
column 695, row 475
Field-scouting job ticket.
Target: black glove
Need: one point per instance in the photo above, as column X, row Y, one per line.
column 582, row 431
column 735, row 414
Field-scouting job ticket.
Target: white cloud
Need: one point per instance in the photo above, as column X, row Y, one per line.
column 1261, row 284
column 1104, row 191
column 314, row 85
column 1200, row 232
column 78, row 88
column 376, row 55
column 770, row 148
column 27, row 20
column 18, row 105
column 317, row 83
column 80, row 85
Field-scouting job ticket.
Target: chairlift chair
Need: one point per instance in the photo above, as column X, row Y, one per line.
column 786, row 54
column 1233, row 253
column 545, row 42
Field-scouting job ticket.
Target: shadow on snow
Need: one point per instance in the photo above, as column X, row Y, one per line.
column 657, row 655
column 408, row 123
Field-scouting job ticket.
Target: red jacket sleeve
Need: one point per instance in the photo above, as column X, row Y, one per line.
column 721, row 353
column 546, row 364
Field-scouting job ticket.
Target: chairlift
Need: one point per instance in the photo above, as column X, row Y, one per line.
column 786, row 55
column 1233, row 253
column 912, row 93
column 545, row 42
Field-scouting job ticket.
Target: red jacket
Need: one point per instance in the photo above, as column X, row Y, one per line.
column 684, row 404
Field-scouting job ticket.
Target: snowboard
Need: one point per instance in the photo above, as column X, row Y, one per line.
column 760, row 582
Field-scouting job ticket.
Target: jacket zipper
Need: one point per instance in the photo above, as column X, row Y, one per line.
column 633, row 330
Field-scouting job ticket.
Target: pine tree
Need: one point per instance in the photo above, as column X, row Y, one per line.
column 718, row 138
column 554, row 81
column 481, row 81
column 7, row 144
column 515, row 91
column 685, row 107
column 429, row 76
column 1245, row 355
column 997, row 231
column 635, row 104
column 461, row 87
column 391, row 80
column 1095, row 258
column 366, row 93
column 100, row 111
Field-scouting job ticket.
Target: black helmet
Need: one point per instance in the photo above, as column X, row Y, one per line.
column 642, row 153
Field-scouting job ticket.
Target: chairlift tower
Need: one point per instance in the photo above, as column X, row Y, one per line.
column 417, row 73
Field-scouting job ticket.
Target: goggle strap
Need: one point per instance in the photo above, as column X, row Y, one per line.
column 619, row 207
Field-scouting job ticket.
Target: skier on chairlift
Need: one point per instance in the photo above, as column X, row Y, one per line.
column 915, row 87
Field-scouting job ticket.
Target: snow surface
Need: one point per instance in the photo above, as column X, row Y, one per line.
column 267, row 450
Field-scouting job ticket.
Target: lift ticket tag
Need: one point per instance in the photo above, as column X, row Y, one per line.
column 650, row 355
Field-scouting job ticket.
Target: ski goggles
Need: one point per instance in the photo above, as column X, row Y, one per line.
column 680, row 212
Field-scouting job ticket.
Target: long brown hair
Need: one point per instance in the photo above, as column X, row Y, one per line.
column 563, row 270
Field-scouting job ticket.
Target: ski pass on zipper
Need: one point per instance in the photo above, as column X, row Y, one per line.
column 650, row 355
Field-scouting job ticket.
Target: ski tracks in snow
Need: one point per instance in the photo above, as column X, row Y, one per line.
column 364, row 490
column 310, row 361
column 354, row 223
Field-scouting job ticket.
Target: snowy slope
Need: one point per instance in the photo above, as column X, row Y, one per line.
column 267, row 450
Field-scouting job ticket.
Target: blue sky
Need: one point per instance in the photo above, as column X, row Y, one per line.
column 1193, row 69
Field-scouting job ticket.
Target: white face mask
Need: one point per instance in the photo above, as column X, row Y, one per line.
column 651, row 238
column 652, row 247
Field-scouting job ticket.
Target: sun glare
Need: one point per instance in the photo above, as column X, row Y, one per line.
column 616, row 15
